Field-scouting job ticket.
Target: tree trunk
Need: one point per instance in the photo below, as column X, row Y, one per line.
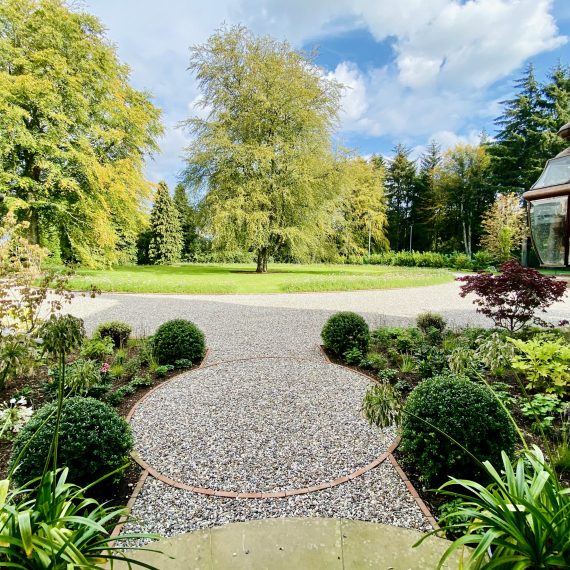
column 34, row 227
column 261, row 260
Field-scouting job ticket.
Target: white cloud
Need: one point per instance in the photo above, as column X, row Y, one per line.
column 446, row 54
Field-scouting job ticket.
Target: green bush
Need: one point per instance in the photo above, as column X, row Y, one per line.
column 118, row 331
column 429, row 320
column 381, row 405
column 178, row 339
column 98, row 348
column 467, row 412
column 345, row 331
column 93, row 441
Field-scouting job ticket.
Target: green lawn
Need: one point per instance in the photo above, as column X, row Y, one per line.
column 241, row 278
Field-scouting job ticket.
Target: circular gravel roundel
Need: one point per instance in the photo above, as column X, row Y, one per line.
column 258, row 425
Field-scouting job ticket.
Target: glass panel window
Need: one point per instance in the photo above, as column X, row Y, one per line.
column 548, row 226
column 557, row 171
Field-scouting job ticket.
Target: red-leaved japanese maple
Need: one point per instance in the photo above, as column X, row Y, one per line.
column 512, row 297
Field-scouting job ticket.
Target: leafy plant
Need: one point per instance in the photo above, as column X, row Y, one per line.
column 98, row 348
column 93, row 440
column 407, row 364
column 502, row 391
column 544, row 362
column 429, row 320
column 387, row 375
column 163, row 370
column 353, row 356
column 561, row 451
column 462, row 409
column 82, row 375
column 117, row 370
column 463, row 361
column 541, row 408
column 374, row 361
column 118, row 331
column 178, row 339
column 56, row 527
column 512, row 298
column 18, row 356
column 431, row 361
column 403, row 387
column 495, row 353
column 381, row 405
column 183, row 363
column 522, row 516
column 344, row 331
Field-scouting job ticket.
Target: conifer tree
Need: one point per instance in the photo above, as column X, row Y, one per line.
column 556, row 104
column 187, row 217
column 165, row 234
column 401, row 194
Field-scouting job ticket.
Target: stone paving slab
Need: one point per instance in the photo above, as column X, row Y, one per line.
column 299, row 544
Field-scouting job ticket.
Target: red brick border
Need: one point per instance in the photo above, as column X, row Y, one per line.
column 136, row 492
column 263, row 494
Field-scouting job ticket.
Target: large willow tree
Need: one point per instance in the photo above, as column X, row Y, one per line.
column 262, row 156
column 73, row 132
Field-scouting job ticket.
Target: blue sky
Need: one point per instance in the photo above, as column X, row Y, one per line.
column 414, row 70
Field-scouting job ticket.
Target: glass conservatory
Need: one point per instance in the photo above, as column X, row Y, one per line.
column 548, row 211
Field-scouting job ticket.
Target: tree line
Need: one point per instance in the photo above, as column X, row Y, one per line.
column 263, row 177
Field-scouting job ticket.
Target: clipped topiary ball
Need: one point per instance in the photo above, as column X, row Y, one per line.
column 345, row 331
column 93, row 441
column 176, row 340
column 466, row 411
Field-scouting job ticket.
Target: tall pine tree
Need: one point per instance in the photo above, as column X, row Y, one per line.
column 401, row 194
column 518, row 153
column 165, row 233
column 187, row 217
column 432, row 208
column 556, row 103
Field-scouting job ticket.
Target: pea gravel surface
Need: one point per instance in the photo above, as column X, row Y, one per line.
column 377, row 496
column 268, row 424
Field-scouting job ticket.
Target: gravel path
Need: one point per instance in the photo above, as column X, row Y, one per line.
column 259, row 425
column 273, row 424
column 377, row 496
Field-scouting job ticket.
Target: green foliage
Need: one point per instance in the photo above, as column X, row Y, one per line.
column 432, row 361
column 82, row 375
column 407, row 364
column 495, row 352
column 345, row 331
column 14, row 415
column 544, row 362
column 56, row 527
column 462, row 361
column 18, row 356
column 374, row 361
column 162, row 370
column 263, row 155
column 459, row 408
column 381, row 405
column 61, row 335
column 183, row 363
column 387, row 375
column 542, row 408
column 178, row 339
column 561, row 452
column 92, row 441
column 522, row 516
column 188, row 224
column 98, row 348
column 74, row 132
column 117, row 330
column 353, row 356
column 429, row 320
column 166, row 240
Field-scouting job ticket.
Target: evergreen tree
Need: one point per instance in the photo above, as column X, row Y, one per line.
column 432, row 207
column 74, row 132
column 401, row 194
column 518, row 154
column 187, row 216
column 165, row 234
column 556, row 109
column 263, row 156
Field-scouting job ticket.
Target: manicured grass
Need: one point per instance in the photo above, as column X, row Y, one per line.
column 241, row 278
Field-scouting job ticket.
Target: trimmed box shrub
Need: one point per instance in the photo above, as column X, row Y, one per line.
column 176, row 340
column 345, row 331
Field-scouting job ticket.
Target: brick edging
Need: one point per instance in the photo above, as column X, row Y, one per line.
column 412, row 490
column 254, row 495
column 136, row 492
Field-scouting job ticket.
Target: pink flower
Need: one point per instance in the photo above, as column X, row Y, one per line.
column 105, row 368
